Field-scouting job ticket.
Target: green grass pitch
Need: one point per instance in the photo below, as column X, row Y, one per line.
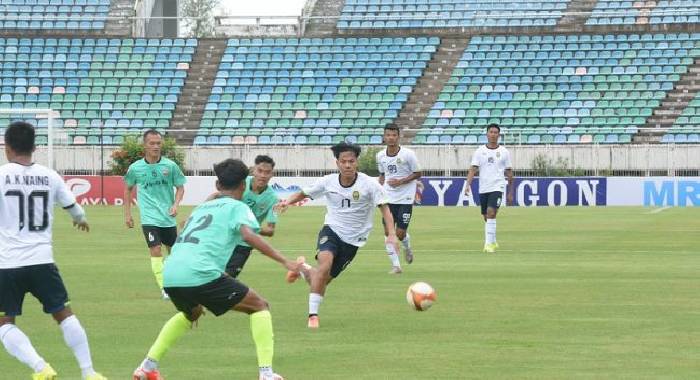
column 585, row 293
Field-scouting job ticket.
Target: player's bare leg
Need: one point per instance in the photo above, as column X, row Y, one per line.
column 320, row 278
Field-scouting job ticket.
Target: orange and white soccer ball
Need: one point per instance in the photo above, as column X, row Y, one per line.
column 421, row 296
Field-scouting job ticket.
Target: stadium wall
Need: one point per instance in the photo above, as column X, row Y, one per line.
column 300, row 161
column 449, row 191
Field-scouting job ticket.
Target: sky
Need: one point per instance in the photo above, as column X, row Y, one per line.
column 263, row 7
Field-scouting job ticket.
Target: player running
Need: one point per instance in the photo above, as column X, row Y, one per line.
column 350, row 200
column 261, row 199
column 194, row 274
column 28, row 192
column 155, row 176
column 398, row 173
column 492, row 161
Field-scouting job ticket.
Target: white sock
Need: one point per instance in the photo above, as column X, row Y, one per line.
column 406, row 241
column 266, row 372
column 149, row 364
column 393, row 255
column 75, row 338
column 19, row 346
column 490, row 231
column 315, row 300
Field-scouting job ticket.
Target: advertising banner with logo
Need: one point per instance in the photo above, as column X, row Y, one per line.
column 654, row 191
column 449, row 191
column 579, row 191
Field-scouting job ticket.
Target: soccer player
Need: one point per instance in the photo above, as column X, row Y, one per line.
column 398, row 173
column 155, row 176
column 261, row 199
column 492, row 161
column 28, row 192
column 194, row 274
column 350, row 200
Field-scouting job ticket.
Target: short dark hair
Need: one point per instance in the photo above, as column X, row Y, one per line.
column 264, row 159
column 493, row 125
column 151, row 132
column 345, row 147
column 19, row 136
column 230, row 173
column 392, row 127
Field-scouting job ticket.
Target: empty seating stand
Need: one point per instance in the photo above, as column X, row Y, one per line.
column 311, row 91
column 53, row 14
column 98, row 87
column 686, row 129
column 392, row 14
column 558, row 89
column 642, row 12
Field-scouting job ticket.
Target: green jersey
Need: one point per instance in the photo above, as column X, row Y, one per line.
column 155, row 193
column 205, row 245
column 261, row 204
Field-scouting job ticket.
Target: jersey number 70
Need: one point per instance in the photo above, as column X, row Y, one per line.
column 31, row 205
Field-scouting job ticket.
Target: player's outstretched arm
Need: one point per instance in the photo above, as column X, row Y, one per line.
column 79, row 218
column 395, row 182
column 470, row 178
column 283, row 205
column 179, row 194
column 390, row 229
column 267, row 230
column 257, row 242
column 511, row 188
column 128, row 219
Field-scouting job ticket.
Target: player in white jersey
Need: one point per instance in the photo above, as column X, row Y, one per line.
column 398, row 173
column 495, row 171
column 351, row 198
column 28, row 192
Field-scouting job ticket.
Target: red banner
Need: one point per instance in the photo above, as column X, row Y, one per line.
column 96, row 190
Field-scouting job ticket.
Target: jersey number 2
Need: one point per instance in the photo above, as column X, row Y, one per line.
column 186, row 235
column 31, row 204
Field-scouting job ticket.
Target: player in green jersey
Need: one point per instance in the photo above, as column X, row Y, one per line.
column 154, row 176
column 261, row 198
column 194, row 274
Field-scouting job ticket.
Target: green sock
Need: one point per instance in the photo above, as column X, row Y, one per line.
column 261, row 326
column 157, row 268
column 173, row 329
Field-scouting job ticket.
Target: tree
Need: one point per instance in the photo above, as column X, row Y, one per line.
column 131, row 150
column 199, row 17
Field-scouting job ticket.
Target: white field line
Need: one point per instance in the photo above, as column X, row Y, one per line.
column 658, row 210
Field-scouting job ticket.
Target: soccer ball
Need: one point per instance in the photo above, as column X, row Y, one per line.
column 420, row 296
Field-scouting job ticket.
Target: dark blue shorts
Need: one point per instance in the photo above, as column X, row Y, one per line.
column 343, row 253
column 490, row 200
column 43, row 281
column 401, row 214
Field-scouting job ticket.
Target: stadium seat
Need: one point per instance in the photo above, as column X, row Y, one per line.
column 582, row 85
column 363, row 84
column 90, row 88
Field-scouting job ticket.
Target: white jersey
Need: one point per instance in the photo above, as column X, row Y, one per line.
column 27, row 196
column 492, row 164
column 401, row 165
column 349, row 210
